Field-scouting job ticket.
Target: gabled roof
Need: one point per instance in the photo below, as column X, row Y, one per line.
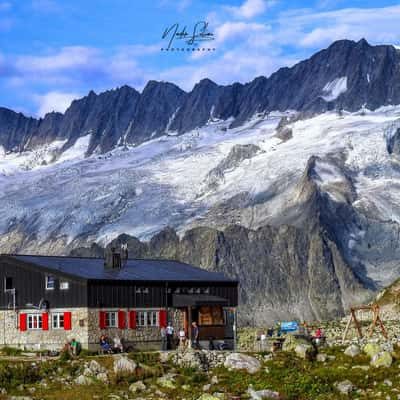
column 134, row 270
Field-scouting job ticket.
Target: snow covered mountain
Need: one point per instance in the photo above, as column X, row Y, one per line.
column 303, row 207
column 348, row 75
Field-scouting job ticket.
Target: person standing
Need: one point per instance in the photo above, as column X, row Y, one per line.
column 163, row 334
column 170, row 336
column 195, row 336
column 182, row 338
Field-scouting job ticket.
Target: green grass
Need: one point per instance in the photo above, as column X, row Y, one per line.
column 293, row 378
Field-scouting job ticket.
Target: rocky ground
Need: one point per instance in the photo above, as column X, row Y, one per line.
column 298, row 371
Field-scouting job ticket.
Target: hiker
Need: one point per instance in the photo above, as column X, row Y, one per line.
column 118, row 346
column 170, row 336
column 104, row 344
column 182, row 338
column 195, row 336
column 163, row 334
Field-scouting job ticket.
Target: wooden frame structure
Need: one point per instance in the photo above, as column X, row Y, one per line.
column 376, row 319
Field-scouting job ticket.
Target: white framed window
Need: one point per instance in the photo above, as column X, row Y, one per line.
column 8, row 283
column 147, row 318
column 64, row 285
column 34, row 321
column 57, row 320
column 50, row 283
column 111, row 319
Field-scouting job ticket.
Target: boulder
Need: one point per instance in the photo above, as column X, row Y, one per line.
column 124, row 366
column 242, row 361
column 262, row 394
column 166, row 381
column 382, row 359
column 345, row 387
column 352, row 351
column 95, row 367
column 83, row 380
column 322, row 357
column 371, row 349
column 305, row 351
column 291, row 342
column 136, row 387
column 206, row 396
column 102, row 377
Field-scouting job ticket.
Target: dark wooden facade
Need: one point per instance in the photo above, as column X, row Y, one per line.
column 29, row 283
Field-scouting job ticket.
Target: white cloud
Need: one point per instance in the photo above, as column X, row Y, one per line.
column 250, row 8
column 5, row 6
column 67, row 58
column 54, row 101
column 377, row 25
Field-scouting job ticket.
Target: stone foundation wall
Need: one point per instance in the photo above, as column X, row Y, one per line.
column 147, row 337
column 85, row 329
column 51, row 339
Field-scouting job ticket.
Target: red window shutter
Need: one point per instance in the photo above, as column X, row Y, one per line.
column 121, row 319
column 102, row 320
column 163, row 318
column 45, row 321
column 22, row 322
column 67, row 321
column 132, row 319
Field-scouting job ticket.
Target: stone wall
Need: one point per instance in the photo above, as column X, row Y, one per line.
column 51, row 339
column 85, row 329
column 141, row 338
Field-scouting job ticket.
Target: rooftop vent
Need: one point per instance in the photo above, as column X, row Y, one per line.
column 116, row 258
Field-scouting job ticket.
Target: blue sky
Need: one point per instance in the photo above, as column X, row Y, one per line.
column 52, row 51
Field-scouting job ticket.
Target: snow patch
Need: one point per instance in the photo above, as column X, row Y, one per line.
column 77, row 151
column 332, row 90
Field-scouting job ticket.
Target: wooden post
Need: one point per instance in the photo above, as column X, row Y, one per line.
column 190, row 326
column 347, row 327
column 234, row 329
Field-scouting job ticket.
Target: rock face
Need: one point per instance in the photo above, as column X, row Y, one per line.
column 296, row 271
column 238, row 154
column 347, row 75
column 242, row 361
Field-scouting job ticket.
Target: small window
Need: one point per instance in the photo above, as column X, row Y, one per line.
column 111, row 319
column 8, row 283
column 64, row 285
column 49, row 282
column 34, row 321
column 147, row 318
column 57, row 320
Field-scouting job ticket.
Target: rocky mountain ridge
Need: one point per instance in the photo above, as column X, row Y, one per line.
column 347, row 75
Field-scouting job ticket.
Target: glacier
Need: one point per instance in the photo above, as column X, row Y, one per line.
column 52, row 201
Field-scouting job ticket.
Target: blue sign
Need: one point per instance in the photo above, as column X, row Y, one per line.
column 290, row 326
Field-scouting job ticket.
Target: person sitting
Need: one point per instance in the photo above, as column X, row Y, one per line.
column 105, row 345
column 319, row 337
column 75, row 347
column 67, row 348
column 118, row 346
